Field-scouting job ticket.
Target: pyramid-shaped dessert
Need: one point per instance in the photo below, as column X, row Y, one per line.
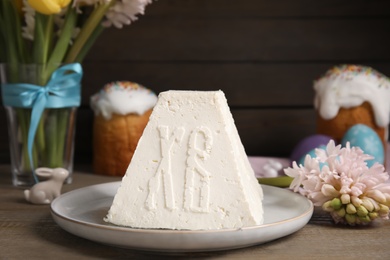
column 189, row 170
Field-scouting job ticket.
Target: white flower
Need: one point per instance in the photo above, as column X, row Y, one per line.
column 124, row 12
column 29, row 14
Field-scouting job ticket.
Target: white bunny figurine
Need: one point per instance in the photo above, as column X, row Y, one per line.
column 46, row 191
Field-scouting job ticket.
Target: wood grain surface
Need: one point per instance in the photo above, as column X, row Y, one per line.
column 29, row 232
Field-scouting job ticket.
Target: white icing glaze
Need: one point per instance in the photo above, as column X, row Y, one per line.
column 349, row 86
column 122, row 98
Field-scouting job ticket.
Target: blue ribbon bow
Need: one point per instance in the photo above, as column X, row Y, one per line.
column 62, row 90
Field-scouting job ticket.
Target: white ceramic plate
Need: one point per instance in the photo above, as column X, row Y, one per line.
column 81, row 213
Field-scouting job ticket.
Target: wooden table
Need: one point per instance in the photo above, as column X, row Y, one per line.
column 28, row 232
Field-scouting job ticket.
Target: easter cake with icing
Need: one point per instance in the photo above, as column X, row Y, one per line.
column 122, row 110
column 348, row 95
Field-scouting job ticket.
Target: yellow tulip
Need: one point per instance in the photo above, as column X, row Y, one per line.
column 48, row 6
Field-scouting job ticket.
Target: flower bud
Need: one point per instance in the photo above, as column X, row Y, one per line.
column 356, row 201
column 368, row 204
column 361, row 211
column 377, row 195
column 341, row 212
column 345, row 198
column 364, row 218
column 48, row 6
column 327, row 206
column 350, row 209
column 383, row 209
column 351, row 219
column 387, row 202
column 374, row 203
column 373, row 215
column 336, row 203
column 329, row 190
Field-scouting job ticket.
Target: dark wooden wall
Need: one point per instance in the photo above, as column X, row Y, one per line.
column 263, row 54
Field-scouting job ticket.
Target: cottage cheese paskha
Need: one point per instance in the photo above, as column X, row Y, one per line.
column 190, row 170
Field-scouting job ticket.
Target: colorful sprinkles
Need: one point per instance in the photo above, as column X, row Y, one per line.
column 351, row 71
column 122, row 85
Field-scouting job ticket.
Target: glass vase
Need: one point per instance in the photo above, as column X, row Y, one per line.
column 53, row 144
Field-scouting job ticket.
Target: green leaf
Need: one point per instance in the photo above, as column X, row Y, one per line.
column 62, row 44
column 283, row 181
column 13, row 46
column 44, row 25
column 89, row 27
column 20, row 43
column 38, row 39
column 88, row 45
column 8, row 27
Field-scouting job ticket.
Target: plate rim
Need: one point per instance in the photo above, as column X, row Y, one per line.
column 113, row 227
column 304, row 216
